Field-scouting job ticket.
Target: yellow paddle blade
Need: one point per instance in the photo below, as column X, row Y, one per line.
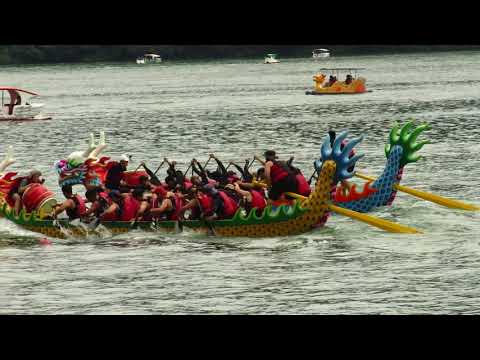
column 454, row 204
column 374, row 221
column 371, row 220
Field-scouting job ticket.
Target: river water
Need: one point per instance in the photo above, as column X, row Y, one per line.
column 235, row 108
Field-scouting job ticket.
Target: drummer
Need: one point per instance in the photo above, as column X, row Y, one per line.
column 114, row 178
column 34, row 177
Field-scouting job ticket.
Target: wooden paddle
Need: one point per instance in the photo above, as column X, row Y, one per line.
column 248, row 168
column 368, row 219
column 163, row 162
column 259, row 160
column 450, row 203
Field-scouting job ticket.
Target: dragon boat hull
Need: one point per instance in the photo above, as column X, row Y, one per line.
column 282, row 221
column 285, row 220
column 63, row 228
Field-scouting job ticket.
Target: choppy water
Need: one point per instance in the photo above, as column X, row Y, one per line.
column 234, row 109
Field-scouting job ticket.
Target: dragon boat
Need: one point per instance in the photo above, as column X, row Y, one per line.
column 301, row 217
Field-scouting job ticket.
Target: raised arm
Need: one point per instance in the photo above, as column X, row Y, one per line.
column 243, row 193
column 220, row 165
column 200, row 173
column 153, row 178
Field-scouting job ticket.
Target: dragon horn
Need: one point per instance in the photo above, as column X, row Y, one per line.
column 413, row 157
column 9, row 155
column 351, row 144
column 404, row 132
column 100, row 147
column 415, row 133
column 102, row 138
column 355, row 158
column 394, row 136
column 345, row 174
column 419, row 145
column 338, row 142
column 91, row 146
column 326, row 149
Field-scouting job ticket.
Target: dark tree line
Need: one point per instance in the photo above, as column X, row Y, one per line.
column 18, row 54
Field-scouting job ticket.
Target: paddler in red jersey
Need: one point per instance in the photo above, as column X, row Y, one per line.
column 74, row 206
column 251, row 199
column 169, row 205
column 280, row 177
column 114, row 178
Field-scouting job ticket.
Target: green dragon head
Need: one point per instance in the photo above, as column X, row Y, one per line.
column 406, row 137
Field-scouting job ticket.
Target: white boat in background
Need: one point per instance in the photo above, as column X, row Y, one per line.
column 18, row 110
column 271, row 59
column 320, row 53
column 149, row 59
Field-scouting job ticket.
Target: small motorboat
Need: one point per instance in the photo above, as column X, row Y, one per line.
column 149, row 59
column 351, row 85
column 15, row 109
column 271, row 59
column 320, row 53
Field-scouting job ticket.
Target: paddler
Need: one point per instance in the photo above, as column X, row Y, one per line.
column 303, row 188
column 144, row 205
column 279, row 176
column 224, row 206
column 252, row 199
column 74, row 205
column 169, row 206
column 114, row 178
column 100, row 202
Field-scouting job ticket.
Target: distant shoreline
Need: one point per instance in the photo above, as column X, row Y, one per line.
column 48, row 54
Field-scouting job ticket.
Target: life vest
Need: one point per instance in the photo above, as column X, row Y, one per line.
column 187, row 184
column 105, row 202
column 302, row 185
column 160, row 190
column 79, row 210
column 230, row 207
column 258, row 200
column 206, row 204
column 278, row 172
column 129, row 208
column 114, row 175
column 177, row 203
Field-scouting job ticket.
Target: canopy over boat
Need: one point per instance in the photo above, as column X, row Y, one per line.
column 320, row 50
column 12, row 90
column 153, row 56
column 341, row 69
column 272, row 55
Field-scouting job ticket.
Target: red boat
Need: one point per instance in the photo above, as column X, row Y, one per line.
column 14, row 108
